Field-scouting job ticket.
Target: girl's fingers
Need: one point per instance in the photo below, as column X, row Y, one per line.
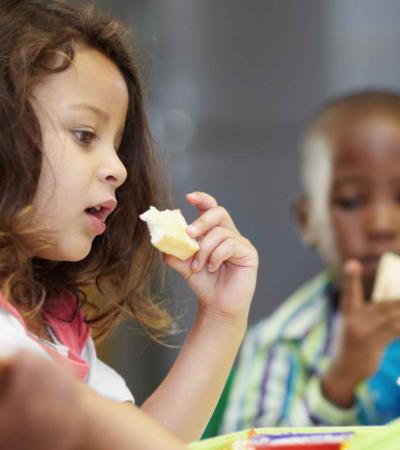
column 182, row 267
column 208, row 245
column 202, row 201
column 352, row 294
column 214, row 217
column 228, row 250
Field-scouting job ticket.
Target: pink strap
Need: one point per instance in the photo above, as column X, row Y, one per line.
column 68, row 324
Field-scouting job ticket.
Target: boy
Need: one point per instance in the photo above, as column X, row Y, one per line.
column 329, row 356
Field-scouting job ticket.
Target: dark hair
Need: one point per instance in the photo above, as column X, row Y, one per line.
column 356, row 104
column 37, row 38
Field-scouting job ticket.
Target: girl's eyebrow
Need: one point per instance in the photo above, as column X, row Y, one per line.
column 103, row 115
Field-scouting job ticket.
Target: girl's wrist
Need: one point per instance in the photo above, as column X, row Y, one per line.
column 214, row 319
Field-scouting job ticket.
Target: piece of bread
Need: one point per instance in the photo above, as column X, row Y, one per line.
column 387, row 281
column 168, row 232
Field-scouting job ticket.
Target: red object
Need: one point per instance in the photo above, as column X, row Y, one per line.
column 326, row 446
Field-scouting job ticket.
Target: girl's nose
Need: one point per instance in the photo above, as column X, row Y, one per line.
column 113, row 171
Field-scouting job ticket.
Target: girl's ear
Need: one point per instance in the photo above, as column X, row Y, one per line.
column 300, row 209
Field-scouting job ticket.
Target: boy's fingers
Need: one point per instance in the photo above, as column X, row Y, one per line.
column 352, row 292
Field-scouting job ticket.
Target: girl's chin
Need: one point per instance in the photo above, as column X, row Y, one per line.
column 70, row 254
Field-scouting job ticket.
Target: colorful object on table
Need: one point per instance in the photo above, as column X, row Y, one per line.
column 385, row 437
column 293, row 441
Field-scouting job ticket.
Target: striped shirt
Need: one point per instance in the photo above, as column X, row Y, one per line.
column 277, row 380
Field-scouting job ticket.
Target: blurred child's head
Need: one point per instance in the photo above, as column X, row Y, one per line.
column 73, row 138
column 351, row 180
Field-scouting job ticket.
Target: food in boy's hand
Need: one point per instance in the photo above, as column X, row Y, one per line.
column 168, row 232
column 387, row 282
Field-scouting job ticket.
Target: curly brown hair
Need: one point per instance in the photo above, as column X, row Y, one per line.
column 37, row 38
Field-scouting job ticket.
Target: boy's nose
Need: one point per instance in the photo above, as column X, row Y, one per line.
column 383, row 222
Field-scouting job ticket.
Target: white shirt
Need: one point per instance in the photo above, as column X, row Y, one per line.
column 102, row 378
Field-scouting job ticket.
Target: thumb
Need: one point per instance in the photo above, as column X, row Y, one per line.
column 352, row 292
column 182, row 267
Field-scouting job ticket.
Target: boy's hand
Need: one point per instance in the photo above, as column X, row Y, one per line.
column 223, row 272
column 367, row 328
column 38, row 405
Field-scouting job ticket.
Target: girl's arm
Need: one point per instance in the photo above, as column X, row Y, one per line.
column 43, row 407
column 223, row 275
column 110, row 425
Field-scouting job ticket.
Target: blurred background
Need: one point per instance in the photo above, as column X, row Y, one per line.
column 230, row 84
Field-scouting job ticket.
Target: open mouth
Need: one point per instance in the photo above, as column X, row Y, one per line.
column 97, row 211
column 102, row 210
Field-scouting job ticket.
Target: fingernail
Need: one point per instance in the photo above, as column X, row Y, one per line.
column 210, row 267
column 192, row 229
column 194, row 265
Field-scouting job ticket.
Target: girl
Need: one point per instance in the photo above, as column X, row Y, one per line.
column 76, row 169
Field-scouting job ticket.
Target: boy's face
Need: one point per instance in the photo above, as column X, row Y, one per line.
column 365, row 194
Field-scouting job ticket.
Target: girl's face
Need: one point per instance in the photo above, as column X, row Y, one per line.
column 82, row 113
column 365, row 194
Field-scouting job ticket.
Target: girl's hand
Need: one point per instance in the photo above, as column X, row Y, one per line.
column 223, row 271
column 367, row 328
column 223, row 276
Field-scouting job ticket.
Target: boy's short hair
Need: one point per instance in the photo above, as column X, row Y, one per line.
column 340, row 109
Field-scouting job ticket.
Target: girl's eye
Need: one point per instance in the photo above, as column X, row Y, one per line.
column 348, row 203
column 85, row 137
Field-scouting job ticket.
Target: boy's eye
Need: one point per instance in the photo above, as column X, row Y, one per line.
column 349, row 203
column 84, row 136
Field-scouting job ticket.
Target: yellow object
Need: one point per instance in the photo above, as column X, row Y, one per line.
column 168, row 232
column 387, row 283
column 385, row 437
